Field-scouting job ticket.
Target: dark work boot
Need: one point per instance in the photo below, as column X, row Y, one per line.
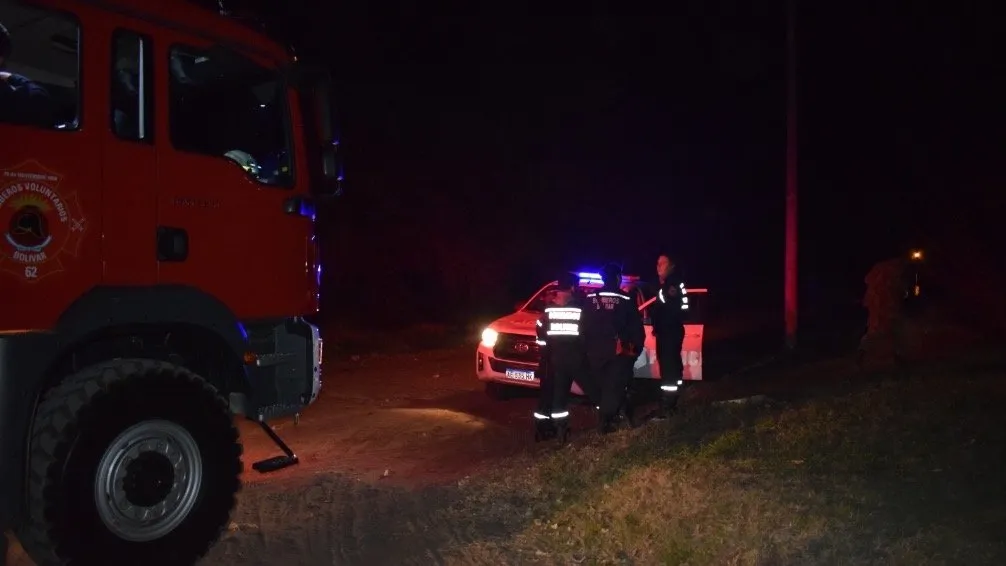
column 629, row 416
column 668, row 404
column 544, row 429
column 607, row 424
column 562, row 431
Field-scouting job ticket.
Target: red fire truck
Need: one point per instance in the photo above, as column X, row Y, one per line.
column 160, row 170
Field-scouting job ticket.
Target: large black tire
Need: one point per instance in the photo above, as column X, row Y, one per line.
column 82, row 418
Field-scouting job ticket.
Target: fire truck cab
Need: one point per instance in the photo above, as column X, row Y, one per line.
column 160, row 170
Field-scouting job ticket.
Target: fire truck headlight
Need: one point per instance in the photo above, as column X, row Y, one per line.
column 489, row 337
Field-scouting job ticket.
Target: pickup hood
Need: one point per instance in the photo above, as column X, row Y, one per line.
column 519, row 322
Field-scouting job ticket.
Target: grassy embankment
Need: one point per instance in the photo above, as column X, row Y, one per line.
column 908, row 472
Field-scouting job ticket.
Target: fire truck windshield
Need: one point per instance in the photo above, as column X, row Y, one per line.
column 227, row 106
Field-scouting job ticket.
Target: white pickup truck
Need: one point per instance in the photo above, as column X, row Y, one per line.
column 507, row 354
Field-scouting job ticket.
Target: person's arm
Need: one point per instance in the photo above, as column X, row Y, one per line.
column 634, row 328
column 28, row 100
column 629, row 326
column 656, row 309
column 679, row 284
column 540, row 330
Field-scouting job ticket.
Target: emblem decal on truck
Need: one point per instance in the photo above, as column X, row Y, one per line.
column 39, row 224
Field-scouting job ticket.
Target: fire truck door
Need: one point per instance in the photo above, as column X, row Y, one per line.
column 233, row 212
column 50, row 170
column 130, row 157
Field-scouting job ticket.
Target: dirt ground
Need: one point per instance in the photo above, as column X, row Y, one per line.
column 382, row 453
column 378, row 452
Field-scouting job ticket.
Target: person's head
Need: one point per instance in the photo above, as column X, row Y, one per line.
column 5, row 46
column 612, row 276
column 565, row 288
column 665, row 266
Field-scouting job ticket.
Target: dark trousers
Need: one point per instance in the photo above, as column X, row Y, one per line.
column 631, row 394
column 556, row 381
column 612, row 380
column 669, row 342
column 588, row 383
column 546, row 384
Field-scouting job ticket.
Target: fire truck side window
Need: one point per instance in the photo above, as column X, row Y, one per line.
column 227, row 106
column 39, row 67
column 132, row 108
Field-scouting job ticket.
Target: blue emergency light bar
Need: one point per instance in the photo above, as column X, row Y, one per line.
column 590, row 278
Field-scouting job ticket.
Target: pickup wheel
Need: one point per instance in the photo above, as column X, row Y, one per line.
column 133, row 462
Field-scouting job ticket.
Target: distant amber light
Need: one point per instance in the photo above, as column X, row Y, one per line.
column 917, row 254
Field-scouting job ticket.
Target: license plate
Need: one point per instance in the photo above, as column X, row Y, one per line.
column 520, row 375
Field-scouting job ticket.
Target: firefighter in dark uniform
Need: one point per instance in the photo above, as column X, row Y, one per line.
column 893, row 297
column 562, row 355
column 669, row 329
column 22, row 100
column 613, row 335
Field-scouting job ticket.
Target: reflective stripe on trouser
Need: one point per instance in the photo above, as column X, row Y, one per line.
column 558, row 415
column 668, row 388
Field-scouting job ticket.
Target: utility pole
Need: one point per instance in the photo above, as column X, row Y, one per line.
column 791, row 280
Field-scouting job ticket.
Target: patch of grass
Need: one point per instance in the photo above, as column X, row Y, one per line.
column 901, row 473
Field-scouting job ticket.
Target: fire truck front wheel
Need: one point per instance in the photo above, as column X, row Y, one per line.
column 132, row 462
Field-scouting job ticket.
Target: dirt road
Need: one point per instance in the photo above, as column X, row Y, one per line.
column 382, row 453
column 378, row 451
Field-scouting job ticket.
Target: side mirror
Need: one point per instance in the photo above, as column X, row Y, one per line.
column 331, row 170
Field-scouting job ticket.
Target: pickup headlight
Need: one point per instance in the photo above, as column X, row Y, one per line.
column 489, row 337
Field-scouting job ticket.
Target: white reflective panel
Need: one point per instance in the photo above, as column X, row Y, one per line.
column 563, row 314
column 563, row 327
column 611, row 294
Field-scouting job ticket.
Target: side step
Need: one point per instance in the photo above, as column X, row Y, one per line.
column 275, row 463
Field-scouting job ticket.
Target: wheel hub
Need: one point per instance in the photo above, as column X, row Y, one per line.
column 148, row 480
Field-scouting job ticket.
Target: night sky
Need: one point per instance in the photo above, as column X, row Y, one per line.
column 493, row 143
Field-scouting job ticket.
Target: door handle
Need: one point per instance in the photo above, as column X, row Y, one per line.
column 172, row 244
column 300, row 206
